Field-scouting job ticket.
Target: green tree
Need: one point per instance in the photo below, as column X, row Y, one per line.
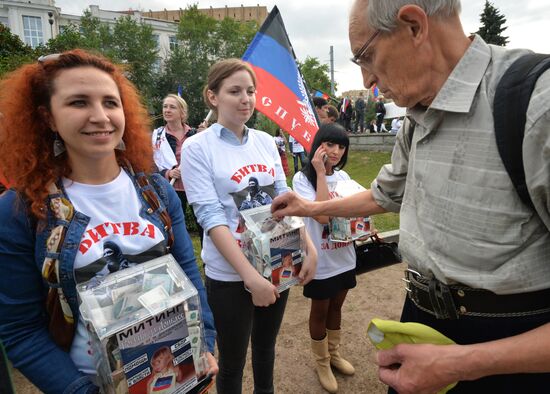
column 201, row 41
column 234, row 37
column 13, row 52
column 316, row 74
column 188, row 62
column 492, row 25
column 69, row 38
column 265, row 124
column 128, row 42
column 134, row 45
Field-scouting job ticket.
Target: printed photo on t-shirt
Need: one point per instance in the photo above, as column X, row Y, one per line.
column 252, row 196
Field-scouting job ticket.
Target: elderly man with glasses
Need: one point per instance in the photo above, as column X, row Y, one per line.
column 479, row 259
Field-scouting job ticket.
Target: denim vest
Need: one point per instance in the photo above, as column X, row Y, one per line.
column 77, row 227
column 23, row 322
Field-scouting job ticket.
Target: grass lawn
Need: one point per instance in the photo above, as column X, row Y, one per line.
column 362, row 166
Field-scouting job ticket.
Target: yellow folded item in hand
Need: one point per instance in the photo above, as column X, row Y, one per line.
column 385, row 334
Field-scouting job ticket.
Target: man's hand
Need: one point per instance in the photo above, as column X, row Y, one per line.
column 290, row 204
column 419, row 369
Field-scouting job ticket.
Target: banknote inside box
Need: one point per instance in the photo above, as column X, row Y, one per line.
column 347, row 229
column 274, row 246
column 146, row 330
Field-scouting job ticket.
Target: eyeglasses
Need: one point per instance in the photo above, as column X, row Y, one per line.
column 44, row 58
column 357, row 57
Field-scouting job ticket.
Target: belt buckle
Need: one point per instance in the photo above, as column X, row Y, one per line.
column 441, row 300
column 406, row 279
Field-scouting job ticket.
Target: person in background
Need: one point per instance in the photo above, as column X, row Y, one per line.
column 380, row 110
column 280, row 141
column 298, row 153
column 319, row 103
column 396, row 124
column 80, row 180
column 478, row 256
column 336, row 262
column 360, row 108
column 167, row 143
column 372, row 126
column 346, row 113
column 332, row 113
column 220, row 166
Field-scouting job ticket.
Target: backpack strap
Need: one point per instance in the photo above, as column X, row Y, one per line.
column 512, row 98
column 151, row 196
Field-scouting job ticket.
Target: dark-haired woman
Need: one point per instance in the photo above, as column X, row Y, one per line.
column 336, row 261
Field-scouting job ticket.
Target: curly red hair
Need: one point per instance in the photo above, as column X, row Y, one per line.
column 26, row 141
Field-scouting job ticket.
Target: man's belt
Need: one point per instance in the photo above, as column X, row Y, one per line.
column 452, row 301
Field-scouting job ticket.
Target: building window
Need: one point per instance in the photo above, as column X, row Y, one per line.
column 173, row 42
column 157, row 40
column 4, row 21
column 156, row 66
column 32, row 29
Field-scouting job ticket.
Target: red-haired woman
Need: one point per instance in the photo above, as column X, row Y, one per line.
column 75, row 151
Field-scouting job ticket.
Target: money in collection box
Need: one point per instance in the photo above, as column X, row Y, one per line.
column 146, row 330
column 274, row 246
column 347, row 229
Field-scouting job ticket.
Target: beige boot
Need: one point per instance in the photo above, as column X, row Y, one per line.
column 322, row 359
column 336, row 360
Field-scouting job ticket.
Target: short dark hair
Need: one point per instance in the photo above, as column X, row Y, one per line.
column 319, row 102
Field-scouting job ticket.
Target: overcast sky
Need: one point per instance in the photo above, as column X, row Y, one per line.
column 313, row 27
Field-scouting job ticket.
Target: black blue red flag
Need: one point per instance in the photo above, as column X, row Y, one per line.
column 281, row 93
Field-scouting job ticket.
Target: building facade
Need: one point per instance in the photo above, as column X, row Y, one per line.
column 37, row 21
column 242, row 14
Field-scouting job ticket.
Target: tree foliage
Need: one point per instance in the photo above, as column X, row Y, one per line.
column 13, row 51
column 492, row 25
column 202, row 40
column 316, row 74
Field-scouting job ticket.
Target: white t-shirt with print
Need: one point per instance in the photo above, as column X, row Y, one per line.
column 115, row 227
column 333, row 258
column 217, row 171
column 296, row 146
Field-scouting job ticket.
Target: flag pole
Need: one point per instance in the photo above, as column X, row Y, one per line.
column 302, row 76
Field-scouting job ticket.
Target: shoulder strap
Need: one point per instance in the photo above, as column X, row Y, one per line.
column 152, row 198
column 512, row 98
column 409, row 124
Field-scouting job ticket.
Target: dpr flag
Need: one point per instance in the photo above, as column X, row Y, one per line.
column 374, row 91
column 281, row 94
column 319, row 93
